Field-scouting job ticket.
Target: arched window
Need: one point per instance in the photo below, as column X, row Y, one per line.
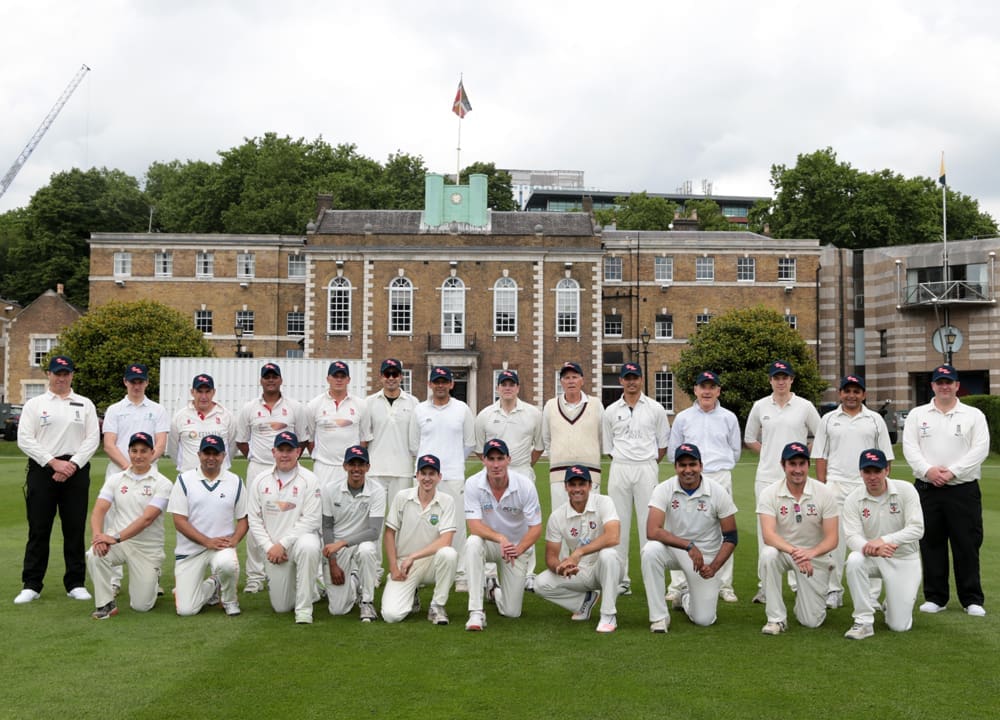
column 452, row 313
column 400, row 306
column 338, row 316
column 505, row 307
column 568, row 308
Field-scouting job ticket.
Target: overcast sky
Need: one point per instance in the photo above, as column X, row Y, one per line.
column 640, row 96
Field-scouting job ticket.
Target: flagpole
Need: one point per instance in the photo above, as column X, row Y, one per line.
column 943, row 178
column 458, row 148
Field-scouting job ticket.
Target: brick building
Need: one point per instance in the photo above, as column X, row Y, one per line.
column 31, row 334
column 459, row 285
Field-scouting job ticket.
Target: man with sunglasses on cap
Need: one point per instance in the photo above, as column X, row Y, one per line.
column 842, row 434
column 945, row 443
column 715, row 431
column 798, row 519
column 202, row 416
column 883, row 523
column 353, row 512
column 134, row 534
column 571, row 432
column 691, row 528
column 209, row 508
column 335, row 420
column 587, row 527
column 505, row 519
column 418, row 532
column 257, row 424
column 285, row 513
column 59, row 433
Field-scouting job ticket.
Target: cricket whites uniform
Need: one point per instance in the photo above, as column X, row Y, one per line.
column 633, row 437
column 694, row 517
column 129, row 496
column 333, row 427
column 388, row 427
column 212, row 508
column 126, row 418
column 346, row 515
column 571, row 435
column 257, row 424
column 716, row 434
column 289, row 511
column 521, row 429
column 598, row 571
column 840, row 440
column 511, row 515
column 895, row 517
column 416, row 527
column 188, row 428
column 799, row 522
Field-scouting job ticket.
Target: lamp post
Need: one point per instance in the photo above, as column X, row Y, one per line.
column 951, row 337
column 645, row 337
column 238, row 332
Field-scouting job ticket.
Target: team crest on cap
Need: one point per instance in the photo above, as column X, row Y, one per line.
column 575, row 469
column 356, row 451
column 685, row 447
column 211, row 440
column 796, row 447
column 493, row 444
column 852, row 379
column 439, row 371
column 135, row 369
column 60, row 361
column 780, row 366
column 872, row 456
column 943, row 370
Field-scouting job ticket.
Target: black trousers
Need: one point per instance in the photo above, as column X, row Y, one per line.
column 953, row 515
column 44, row 497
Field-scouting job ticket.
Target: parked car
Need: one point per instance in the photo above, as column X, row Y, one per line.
column 10, row 416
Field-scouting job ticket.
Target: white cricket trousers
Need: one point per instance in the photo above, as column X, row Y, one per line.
column 901, row 576
column 478, row 552
column 193, row 589
column 143, row 574
column 810, row 598
column 630, row 484
column 703, row 594
column 677, row 578
column 255, row 553
column 397, row 598
column 291, row 584
column 568, row 592
column 360, row 566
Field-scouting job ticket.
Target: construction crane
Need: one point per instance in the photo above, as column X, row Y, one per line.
column 42, row 129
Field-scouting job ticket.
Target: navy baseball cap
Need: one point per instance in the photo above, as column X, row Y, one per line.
column 495, row 444
column 339, row 366
column 941, row 372
column 137, row 371
column 707, row 376
column 689, row 449
column 391, row 364
column 630, row 368
column 61, row 363
column 439, row 372
column 270, row 369
column 852, row 380
column 508, row 375
column 780, row 367
column 570, row 367
column 212, row 442
column 142, row 438
column 430, row 461
column 873, row 458
column 795, row 449
column 577, row 472
column 201, row 381
column 356, row 452
column 286, row 437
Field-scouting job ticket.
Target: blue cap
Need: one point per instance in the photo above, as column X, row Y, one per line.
column 430, row 461
column 391, row 364
column 795, row 449
column 707, row 376
column 439, row 372
column 873, row 458
column 570, row 367
column 688, row 449
column 143, row 438
column 201, row 381
column 630, row 368
column 577, row 472
column 137, row 371
column 270, row 369
column 286, row 437
column 852, row 380
column 212, row 442
column 780, row 367
column 339, row 366
column 61, row 363
column 356, row 452
column 508, row 375
column 941, row 372
column 495, row 444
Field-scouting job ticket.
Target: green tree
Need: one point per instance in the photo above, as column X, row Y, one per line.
column 499, row 189
column 182, row 198
column 401, row 186
column 821, row 197
column 739, row 345
column 104, row 341
column 710, row 215
column 638, row 211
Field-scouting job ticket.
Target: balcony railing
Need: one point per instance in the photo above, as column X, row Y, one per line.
column 451, row 341
column 947, row 293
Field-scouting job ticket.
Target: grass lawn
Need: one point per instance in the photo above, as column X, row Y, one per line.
column 60, row 663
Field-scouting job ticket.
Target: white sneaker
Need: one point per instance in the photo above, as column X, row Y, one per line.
column 659, row 626
column 774, row 628
column 477, row 621
column 859, row 631
column 608, row 624
column 759, row 597
column 976, row 611
column 931, row 607
column 491, row 587
column 672, row 596
column 625, row 589
column 232, row 608
column 461, row 585
column 727, row 595
column 589, row 601
column 79, row 593
column 26, row 596
column 367, row 612
column 834, row 600
column 529, row 583
column 437, row 615
column 253, row 586
column 216, row 596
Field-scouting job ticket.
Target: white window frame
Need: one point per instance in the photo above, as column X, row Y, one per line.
column 338, row 319
column 31, row 390
column 202, row 318
column 295, row 327
column 704, row 269
column 663, row 268
column 568, row 308
column 246, row 319
column 663, row 329
column 702, row 319
column 505, row 306
column 792, row 321
column 613, row 322
column 400, row 304
column 204, row 265
column 613, row 269
column 746, row 269
column 163, row 264
column 296, row 266
column 786, row 269
column 123, row 264
column 246, row 265
column 453, row 312
column 663, row 389
column 41, row 345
